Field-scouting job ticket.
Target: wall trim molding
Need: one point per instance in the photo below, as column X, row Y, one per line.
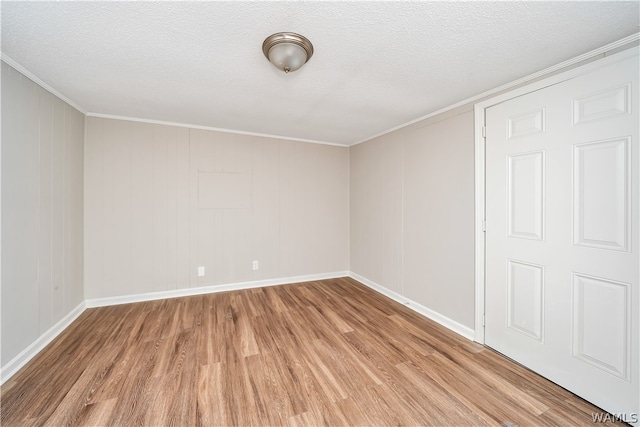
column 15, row 364
column 208, row 289
column 585, row 56
column 214, row 129
column 21, row 69
column 10, row 62
column 443, row 320
column 588, row 55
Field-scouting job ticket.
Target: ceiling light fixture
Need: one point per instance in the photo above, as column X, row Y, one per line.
column 287, row 51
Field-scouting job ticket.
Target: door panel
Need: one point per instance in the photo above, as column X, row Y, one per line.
column 526, row 195
column 601, row 323
column 562, row 265
column 525, row 298
column 601, row 194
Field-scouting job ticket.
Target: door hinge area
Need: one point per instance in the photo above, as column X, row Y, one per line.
column 484, row 225
column 484, row 131
column 483, row 320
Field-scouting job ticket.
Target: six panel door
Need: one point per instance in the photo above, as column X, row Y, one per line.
column 562, row 260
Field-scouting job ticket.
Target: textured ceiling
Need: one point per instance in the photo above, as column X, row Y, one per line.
column 376, row 65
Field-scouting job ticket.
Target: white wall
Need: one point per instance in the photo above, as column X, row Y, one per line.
column 162, row 200
column 42, row 217
column 412, row 213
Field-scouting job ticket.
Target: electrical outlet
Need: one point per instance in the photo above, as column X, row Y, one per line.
column 256, row 265
column 201, row 271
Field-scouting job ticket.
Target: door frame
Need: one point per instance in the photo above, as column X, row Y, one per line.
column 480, row 163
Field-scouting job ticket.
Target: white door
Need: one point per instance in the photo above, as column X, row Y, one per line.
column 562, row 248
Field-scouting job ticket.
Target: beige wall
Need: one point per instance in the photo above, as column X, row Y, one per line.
column 412, row 209
column 376, row 211
column 412, row 213
column 162, row 200
column 42, row 217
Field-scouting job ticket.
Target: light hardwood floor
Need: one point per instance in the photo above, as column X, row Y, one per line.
column 331, row 352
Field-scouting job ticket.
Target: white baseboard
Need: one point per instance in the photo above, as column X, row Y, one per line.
column 15, row 364
column 27, row 354
column 8, row 370
column 448, row 323
column 126, row 299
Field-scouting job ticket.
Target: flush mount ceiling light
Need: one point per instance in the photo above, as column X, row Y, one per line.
column 287, row 51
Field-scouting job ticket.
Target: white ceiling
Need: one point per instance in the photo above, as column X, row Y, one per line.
column 377, row 65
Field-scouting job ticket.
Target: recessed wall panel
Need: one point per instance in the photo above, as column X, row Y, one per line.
column 526, row 124
column 601, row 323
column 525, row 296
column 601, row 194
column 526, row 196
column 602, row 105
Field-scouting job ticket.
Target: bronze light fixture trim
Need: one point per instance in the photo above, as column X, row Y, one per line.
column 287, row 51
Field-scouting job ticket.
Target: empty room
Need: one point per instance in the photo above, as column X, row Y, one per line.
column 307, row 213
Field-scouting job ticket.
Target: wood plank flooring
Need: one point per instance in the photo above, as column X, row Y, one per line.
column 331, row 352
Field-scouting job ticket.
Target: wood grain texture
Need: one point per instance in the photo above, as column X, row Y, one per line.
column 331, row 352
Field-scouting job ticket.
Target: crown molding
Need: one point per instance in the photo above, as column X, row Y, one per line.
column 13, row 64
column 215, row 129
column 586, row 56
column 589, row 55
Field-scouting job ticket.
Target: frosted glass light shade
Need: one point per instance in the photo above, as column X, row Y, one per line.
column 287, row 56
column 287, row 51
